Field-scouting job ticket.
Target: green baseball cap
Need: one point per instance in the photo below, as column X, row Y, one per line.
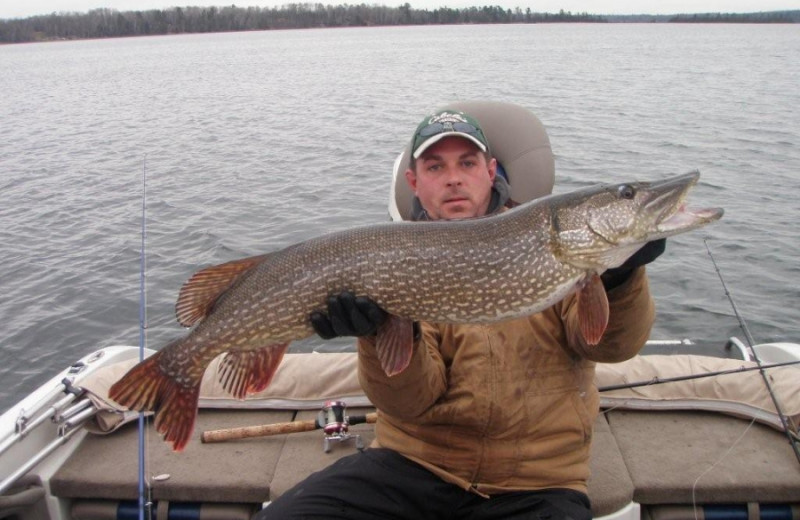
column 445, row 124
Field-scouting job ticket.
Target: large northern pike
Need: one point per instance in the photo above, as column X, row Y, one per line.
column 470, row 271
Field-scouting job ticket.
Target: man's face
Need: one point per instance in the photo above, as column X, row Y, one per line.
column 453, row 179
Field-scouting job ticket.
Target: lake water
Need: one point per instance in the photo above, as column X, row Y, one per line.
column 253, row 141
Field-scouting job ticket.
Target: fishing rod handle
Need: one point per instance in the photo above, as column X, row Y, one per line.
column 369, row 418
column 262, row 430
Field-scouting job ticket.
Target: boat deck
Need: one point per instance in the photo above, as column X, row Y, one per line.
column 652, row 458
column 656, row 451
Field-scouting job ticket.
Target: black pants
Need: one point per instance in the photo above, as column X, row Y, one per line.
column 380, row 484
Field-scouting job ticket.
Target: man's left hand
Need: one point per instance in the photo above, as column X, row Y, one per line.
column 348, row 315
column 646, row 254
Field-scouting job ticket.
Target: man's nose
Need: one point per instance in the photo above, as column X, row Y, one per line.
column 453, row 176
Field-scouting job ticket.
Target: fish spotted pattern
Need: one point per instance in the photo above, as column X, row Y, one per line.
column 470, row 271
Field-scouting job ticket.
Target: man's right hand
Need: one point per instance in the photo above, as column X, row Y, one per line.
column 348, row 315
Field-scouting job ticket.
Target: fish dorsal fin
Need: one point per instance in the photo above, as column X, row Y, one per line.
column 200, row 292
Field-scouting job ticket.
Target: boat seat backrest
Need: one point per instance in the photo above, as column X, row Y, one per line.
column 518, row 141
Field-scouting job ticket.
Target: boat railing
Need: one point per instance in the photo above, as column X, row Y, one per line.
column 30, row 419
column 68, row 419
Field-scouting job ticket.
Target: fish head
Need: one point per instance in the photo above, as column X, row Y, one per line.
column 600, row 227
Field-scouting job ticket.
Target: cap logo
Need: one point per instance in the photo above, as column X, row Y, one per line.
column 447, row 117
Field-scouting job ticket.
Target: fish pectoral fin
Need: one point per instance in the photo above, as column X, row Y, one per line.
column 146, row 387
column 395, row 344
column 245, row 372
column 199, row 294
column 592, row 309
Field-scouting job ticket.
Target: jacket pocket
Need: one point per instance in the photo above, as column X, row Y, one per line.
column 582, row 411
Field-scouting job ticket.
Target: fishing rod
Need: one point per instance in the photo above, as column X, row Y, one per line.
column 332, row 419
column 145, row 505
column 661, row 380
column 784, row 420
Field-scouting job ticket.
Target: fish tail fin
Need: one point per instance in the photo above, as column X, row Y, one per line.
column 395, row 344
column 176, row 416
column 141, row 387
column 147, row 388
column 245, row 372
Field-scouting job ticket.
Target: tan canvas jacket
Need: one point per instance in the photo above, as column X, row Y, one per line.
column 507, row 406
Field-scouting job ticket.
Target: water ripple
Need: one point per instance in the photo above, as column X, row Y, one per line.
column 253, row 141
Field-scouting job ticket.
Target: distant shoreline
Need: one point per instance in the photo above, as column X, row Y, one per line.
column 109, row 23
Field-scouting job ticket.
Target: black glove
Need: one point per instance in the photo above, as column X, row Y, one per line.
column 348, row 315
column 646, row 254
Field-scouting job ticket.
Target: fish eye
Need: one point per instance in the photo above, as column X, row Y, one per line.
column 626, row 191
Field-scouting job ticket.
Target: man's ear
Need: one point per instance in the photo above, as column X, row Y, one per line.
column 492, row 167
column 411, row 179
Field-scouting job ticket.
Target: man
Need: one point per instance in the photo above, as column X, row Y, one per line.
column 487, row 421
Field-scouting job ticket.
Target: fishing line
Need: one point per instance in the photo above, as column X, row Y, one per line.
column 784, row 420
column 761, row 367
column 715, row 464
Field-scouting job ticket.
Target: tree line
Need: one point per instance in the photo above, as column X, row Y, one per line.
column 766, row 17
column 110, row 23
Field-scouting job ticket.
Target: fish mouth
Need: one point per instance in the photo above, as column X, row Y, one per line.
column 668, row 203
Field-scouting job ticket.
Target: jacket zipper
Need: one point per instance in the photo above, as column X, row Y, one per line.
column 490, row 411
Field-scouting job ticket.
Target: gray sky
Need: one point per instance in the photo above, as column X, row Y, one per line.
column 18, row 8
